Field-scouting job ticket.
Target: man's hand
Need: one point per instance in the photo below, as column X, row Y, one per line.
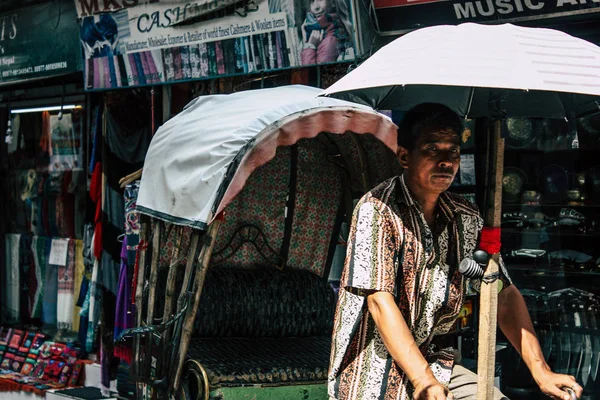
column 430, row 389
column 552, row 384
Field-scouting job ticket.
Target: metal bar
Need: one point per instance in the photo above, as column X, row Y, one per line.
column 488, row 309
column 200, row 276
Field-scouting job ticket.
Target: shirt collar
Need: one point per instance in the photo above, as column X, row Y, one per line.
column 448, row 206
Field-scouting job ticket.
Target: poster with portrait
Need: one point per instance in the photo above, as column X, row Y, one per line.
column 150, row 44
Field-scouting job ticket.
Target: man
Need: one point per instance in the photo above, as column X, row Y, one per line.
column 401, row 286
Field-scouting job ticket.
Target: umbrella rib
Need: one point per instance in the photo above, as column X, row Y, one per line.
column 393, row 88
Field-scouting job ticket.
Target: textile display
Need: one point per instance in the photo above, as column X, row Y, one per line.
column 11, row 298
column 39, row 364
column 46, row 203
column 66, row 285
column 5, row 334
column 32, row 355
column 13, row 344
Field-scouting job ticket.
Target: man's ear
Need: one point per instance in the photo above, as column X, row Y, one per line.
column 402, row 155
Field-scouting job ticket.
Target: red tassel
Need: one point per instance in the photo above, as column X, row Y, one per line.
column 490, row 240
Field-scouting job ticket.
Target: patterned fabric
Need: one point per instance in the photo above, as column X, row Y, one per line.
column 318, row 197
column 391, row 248
column 132, row 221
column 253, row 206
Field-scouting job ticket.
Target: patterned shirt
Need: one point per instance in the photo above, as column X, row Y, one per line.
column 391, row 248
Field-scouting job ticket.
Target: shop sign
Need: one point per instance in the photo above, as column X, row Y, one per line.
column 147, row 44
column 397, row 16
column 39, row 41
column 181, row 9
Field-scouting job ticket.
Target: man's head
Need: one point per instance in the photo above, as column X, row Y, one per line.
column 429, row 147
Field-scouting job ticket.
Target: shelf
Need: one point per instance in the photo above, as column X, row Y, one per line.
column 553, row 151
column 506, row 204
column 557, row 273
column 520, row 231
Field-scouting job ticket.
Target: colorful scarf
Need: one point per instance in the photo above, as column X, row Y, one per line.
column 13, row 278
column 66, row 285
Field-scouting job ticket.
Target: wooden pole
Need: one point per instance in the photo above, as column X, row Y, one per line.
column 151, row 294
column 199, row 277
column 139, row 289
column 488, row 308
column 171, row 280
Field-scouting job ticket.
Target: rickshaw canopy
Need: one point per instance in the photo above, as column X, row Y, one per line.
column 199, row 160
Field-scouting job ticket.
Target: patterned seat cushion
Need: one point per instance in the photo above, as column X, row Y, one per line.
column 264, row 303
column 240, row 361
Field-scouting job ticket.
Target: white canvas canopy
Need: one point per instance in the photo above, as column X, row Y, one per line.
column 200, row 159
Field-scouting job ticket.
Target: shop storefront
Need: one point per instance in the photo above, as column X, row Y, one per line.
column 549, row 199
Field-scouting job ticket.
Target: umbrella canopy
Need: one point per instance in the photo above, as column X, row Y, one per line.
column 199, row 160
column 480, row 70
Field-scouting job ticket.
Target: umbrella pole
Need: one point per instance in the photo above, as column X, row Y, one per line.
column 488, row 305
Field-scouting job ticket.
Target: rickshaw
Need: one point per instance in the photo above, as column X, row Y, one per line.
column 242, row 199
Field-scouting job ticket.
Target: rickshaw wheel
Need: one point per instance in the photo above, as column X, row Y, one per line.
column 194, row 382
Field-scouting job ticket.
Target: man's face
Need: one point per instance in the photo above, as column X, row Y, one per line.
column 432, row 165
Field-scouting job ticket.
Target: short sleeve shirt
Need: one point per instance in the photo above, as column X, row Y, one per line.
column 391, row 248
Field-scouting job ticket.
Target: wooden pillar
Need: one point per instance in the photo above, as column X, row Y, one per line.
column 488, row 309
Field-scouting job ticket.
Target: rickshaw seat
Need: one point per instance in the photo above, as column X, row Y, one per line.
column 242, row 361
column 263, row 326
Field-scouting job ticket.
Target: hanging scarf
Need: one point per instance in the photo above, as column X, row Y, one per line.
column 49, row 307
column 13, row 277
column 66, row 285
column 78, row 278
column 124, row 309
column 40, row 247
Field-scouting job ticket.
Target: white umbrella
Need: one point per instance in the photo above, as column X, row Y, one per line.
column 469, row 67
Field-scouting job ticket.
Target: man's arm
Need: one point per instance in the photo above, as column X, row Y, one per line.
column 402, row 347
column 515, row 323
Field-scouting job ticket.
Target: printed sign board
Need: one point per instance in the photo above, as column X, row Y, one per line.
column 147, row 44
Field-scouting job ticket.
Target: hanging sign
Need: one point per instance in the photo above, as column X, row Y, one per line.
column 58, row 252
column 39, row 41
column 148, row 44
column 397, row 16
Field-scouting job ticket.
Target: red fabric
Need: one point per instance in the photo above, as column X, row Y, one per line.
column 490, row 240
column 96, row 196
column 96, row 183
